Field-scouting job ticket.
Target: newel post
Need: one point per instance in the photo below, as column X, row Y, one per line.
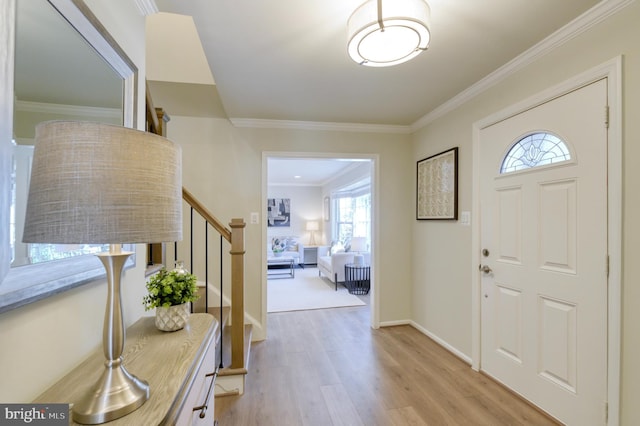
column 237, row 292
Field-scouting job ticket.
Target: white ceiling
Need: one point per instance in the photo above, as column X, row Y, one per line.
column 307, row 171
column 287, row 59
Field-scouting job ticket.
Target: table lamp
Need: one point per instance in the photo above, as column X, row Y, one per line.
column 312, row 227
column 358, row 245
column 94, row 183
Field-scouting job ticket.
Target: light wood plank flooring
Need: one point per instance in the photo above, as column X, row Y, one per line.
column 328, row 367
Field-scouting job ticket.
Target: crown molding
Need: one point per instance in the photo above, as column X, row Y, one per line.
column 582, row 23
column 318, row 125
column 80, row 110
column 147, row 7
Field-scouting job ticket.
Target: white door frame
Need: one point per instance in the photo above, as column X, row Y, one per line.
column 374, row 306
column 612, row 70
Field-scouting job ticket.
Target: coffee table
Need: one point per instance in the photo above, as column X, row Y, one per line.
column 280, row 261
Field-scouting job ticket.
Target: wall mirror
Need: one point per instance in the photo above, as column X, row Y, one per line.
column 66, row 67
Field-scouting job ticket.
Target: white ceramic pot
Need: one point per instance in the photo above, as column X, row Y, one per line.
column 172, row 318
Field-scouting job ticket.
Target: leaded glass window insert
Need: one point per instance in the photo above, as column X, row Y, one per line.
column 535, row 150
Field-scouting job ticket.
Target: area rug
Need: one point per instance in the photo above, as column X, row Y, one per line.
column 307, row 291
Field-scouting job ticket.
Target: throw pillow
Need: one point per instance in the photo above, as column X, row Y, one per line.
column 337, row 248
column 292, row 244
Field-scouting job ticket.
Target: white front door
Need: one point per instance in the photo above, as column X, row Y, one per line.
column 544, row 241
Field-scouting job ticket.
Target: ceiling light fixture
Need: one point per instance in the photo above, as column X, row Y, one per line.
column 382, row 35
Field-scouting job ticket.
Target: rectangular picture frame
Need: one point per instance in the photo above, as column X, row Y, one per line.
column 326, row 213
column 437, row 186
column 278, row 212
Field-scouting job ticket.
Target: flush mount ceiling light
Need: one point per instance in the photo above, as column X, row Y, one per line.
column 389, row 32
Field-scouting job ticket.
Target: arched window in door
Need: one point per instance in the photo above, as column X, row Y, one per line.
column 535, row 150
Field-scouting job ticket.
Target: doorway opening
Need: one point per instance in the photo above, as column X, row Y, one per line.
column 317, row 205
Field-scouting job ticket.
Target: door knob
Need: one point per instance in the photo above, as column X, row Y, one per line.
column 485, row 268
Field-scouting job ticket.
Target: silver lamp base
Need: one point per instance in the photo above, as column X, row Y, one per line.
column 116, row 394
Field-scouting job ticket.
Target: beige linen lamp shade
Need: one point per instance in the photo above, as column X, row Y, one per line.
column 94, row 183
column 103, row 184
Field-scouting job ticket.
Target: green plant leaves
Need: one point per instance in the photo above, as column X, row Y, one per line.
column 168, row 288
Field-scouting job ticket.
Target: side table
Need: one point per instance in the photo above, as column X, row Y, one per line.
column 357, row 278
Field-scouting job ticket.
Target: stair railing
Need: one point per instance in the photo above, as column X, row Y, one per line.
column 234, row 235
column 156, row 121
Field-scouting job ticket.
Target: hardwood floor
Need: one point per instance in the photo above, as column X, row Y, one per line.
column 328, row 367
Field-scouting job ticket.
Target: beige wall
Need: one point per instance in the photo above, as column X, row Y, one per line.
column 306, row 205
column 442, row 285
column 223, row 166
column 41, row 342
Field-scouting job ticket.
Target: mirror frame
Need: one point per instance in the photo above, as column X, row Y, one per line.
column 31, row 283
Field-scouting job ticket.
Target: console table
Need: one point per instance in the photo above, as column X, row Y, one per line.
column 357, row 278
column 179, row 367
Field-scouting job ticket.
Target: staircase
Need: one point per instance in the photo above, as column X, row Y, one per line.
column 227, row 306
column 222, row 296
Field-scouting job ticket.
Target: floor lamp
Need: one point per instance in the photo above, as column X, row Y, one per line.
column 95, row 183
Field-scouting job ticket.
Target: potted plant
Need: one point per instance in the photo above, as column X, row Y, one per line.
column 170, row 293
column 278, row 247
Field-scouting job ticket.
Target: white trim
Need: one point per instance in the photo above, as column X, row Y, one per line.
column 430, row 335
column 80, row 17
column 374, row 306
column 395, row 323
column 91, row 29
column 226, row 385
column 582, row 23
column 612, row 70
column 579, row 25
column 318, row 125
column 75, row 110
column 441, row 342
column 147, row 7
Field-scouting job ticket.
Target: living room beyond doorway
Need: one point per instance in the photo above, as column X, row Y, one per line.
column 310, row 213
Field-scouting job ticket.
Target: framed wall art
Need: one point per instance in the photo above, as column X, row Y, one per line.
column 326, row 213
column 278, row 212
column 437, row 186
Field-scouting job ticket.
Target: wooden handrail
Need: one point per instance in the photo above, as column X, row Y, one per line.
column 206, row 214
column 235, row 236
column 152, row 117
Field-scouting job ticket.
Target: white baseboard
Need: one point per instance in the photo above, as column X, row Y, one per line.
column 229, row 385
column 441, row 342
column 430, row 335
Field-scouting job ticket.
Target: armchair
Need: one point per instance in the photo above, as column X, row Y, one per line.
column 332, row 266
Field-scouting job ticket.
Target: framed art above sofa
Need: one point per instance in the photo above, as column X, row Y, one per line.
column 278, row 212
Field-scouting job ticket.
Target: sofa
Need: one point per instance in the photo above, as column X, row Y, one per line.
column 292, row 247
column 332, row 265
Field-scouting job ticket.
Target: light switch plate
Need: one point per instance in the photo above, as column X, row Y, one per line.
column 465, row 218
column 255, row 219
